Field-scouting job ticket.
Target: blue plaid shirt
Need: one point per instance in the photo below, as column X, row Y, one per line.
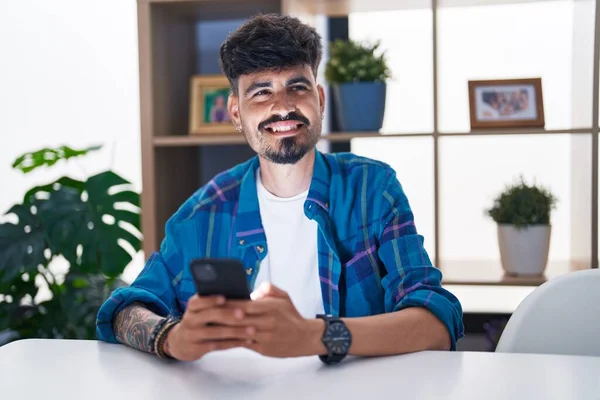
column 371, row 259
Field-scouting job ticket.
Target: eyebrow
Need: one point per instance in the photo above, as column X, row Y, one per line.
column 298, row 79
column 258, row 85
column 268, row 84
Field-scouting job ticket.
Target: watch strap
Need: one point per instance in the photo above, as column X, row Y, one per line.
column 330, row 358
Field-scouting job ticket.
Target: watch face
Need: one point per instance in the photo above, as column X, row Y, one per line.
column 338, row 338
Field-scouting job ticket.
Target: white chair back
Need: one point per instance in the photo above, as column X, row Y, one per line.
column 562, row 316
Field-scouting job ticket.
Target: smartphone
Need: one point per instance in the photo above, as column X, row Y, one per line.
column 220, row 276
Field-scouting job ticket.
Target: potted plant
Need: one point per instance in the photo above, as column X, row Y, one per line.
column 522, row 213
column 357, row 73
column 94, row 224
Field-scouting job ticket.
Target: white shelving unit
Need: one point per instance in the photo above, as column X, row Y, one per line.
column 166, row 38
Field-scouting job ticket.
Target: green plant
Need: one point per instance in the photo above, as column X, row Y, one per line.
column 521, row 205
column 93, row 224
column 350, row 61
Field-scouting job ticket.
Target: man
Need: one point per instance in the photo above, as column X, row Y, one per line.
column 319, row 234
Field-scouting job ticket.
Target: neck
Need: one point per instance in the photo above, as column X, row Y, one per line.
column 287, row 180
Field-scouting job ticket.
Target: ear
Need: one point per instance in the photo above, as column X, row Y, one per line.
column 233, row 107
column 321, row 98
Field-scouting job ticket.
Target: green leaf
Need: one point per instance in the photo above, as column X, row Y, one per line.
column 64, row 181
column 127, row 197
column 22, row 244
column 85, row 227
column 521, row 205
column 351, row 61
column 48, row 157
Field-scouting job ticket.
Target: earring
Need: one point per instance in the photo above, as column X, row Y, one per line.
column 238, row 128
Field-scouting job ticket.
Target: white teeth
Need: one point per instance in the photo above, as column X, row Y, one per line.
column 283, row 128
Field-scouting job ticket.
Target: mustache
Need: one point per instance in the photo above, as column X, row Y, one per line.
column 278, row 118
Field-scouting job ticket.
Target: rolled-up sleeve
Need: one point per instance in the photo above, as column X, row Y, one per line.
column 411, row 279
column 153, row 287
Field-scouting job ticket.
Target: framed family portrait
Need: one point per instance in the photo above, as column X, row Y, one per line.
column 208, row 105
column 507, row 103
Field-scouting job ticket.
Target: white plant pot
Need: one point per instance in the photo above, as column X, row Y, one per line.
column 524, row 251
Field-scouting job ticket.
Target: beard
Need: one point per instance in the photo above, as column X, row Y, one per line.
column 287, row 150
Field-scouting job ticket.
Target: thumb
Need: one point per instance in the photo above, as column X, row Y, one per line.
column 268, row 290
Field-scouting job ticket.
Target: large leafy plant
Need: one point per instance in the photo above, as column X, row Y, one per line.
column 93, row 224
column 522, row 205
column 351, row 61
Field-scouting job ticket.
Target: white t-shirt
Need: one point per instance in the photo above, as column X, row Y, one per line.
column 291, row 261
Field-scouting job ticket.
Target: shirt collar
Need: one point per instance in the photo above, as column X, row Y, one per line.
column 248, row 225
column 320, row 183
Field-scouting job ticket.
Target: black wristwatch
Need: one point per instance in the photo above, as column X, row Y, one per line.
column 336, row 338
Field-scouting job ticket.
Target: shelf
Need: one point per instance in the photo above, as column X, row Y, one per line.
column 225, row 139
column 528, row 131
column 211, row 10
column 345, row 7
column 491, row 273
column 209, row 140
column 347, row 136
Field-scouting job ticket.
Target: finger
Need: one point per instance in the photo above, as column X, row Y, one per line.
column 263, row 337
column 228, row 344
column 266, row 322
column 229, row 317
column 197, row 303
column 211, row 333
column 216, row 315
column 268, row 290
column 261, row 291
column 260, row 306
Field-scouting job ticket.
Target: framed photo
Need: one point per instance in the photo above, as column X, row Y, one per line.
column 507, row 103
column 208, row 105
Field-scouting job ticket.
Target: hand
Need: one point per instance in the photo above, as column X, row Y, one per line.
column 193, row 337
column 280, row 329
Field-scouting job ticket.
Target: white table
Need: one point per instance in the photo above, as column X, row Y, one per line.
column 56, row 369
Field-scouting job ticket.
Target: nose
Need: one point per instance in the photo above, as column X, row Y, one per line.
column 283, row 104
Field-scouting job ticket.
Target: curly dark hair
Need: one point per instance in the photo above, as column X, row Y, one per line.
column 269, row 42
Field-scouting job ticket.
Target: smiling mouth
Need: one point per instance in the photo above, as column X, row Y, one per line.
column 284, row 128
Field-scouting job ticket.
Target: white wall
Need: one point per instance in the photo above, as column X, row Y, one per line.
column 68, row 75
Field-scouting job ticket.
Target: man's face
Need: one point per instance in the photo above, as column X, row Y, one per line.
column 280, row 112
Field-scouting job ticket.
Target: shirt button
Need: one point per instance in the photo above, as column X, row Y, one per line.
column 260, row 249
column 248, row 271
column 242, row 241
column 326, row 205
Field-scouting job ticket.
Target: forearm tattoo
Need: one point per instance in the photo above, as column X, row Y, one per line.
column 133, row 326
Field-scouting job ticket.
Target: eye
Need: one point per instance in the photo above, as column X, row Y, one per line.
column 299, row 88
column 261, row 93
